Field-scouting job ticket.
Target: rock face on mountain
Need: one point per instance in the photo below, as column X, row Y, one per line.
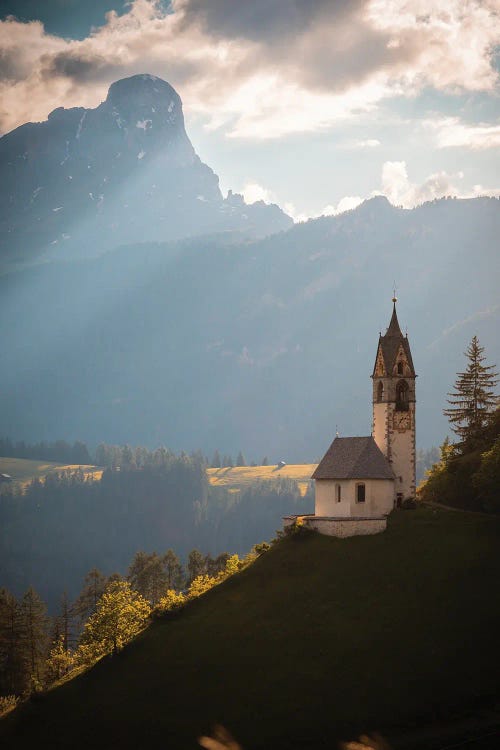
column 87, row 180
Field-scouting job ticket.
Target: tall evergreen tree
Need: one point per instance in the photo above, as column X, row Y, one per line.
column 473, row 399
column 94, row 586
column 34, row 637
column 64, row 624
column 173, row 570
column 240, row 460
column 147, row 575
column 196, row 565
column 13, row 673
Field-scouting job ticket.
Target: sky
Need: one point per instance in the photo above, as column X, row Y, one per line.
column 313, row 104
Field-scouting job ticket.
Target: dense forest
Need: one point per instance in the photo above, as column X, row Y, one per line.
column 57, row 528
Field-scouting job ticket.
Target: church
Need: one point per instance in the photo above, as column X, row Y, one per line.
column 360, row 480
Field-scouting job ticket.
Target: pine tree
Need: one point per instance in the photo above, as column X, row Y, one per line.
column 64, row 623
column 473, row 399
column 196, row 564
column 148, row 576
column 216, row 460
column 173, row 570
column 240, row 460
column 34, row 637
column 13, row 672
column 94, row 586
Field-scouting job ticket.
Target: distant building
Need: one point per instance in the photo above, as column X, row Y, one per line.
column 361, row 479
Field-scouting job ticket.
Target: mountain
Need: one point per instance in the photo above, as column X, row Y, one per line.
column 318, row 640
column 265, row 346
column 87, row 180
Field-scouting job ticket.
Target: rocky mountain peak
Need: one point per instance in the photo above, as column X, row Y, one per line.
column 148, row 96
column 87, row 180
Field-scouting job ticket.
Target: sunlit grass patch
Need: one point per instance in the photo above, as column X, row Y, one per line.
column 240, row 477
column 23, row 470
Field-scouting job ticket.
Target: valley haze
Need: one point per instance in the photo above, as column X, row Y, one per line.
column 253, row 333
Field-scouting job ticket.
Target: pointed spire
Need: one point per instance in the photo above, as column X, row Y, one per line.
column 394, row 329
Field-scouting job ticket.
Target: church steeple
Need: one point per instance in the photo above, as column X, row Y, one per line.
column 394, row 350
column 394, row 405
column 394, row 329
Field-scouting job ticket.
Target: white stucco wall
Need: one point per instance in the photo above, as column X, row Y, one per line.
column 379, row 498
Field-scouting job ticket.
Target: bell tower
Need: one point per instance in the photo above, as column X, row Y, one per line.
column 393, row 426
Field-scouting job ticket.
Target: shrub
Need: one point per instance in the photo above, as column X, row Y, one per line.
column 8, row 703
column 172, row 600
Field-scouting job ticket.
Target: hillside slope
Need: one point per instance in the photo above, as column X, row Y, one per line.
column 320, row 638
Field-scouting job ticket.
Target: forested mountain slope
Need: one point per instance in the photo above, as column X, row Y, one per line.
column 263, row 346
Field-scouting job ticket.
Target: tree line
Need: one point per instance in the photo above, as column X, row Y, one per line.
column 106, row 455
column 158, row 499
column 60, row 451
column 36, row 650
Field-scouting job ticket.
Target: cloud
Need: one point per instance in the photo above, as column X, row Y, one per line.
column 396, row 186
column 253, row 192
column 258, row 69
column 401, row 192
column 451, row 132
column 368, row 143
column 347, row 203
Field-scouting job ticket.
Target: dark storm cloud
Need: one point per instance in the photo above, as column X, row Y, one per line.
column 326, row 44
column 261, row 20
column 80, row 68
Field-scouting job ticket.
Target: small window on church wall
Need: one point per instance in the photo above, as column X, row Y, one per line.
column 338, row 493
column 400, row 368
column 402, row 396
column 380, row 391
column 360, row 493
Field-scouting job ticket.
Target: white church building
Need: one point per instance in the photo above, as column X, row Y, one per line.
column 360, row 480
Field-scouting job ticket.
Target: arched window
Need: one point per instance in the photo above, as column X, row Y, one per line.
column 360, row 493
column 380, row 391
column 400, row 368
column 402, row 396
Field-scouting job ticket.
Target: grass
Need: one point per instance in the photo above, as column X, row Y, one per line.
column 240, row 477
column 320, row 638
column 23, row 470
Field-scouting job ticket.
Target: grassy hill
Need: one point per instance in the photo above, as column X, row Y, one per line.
column 240, row 477
column 23, row 470
column 319, row 639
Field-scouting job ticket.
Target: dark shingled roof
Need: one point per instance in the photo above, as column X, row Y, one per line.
column 353, row 458
column 391, row 342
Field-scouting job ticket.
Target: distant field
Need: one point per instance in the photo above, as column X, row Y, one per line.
column 242, row 476
column 23, row 470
